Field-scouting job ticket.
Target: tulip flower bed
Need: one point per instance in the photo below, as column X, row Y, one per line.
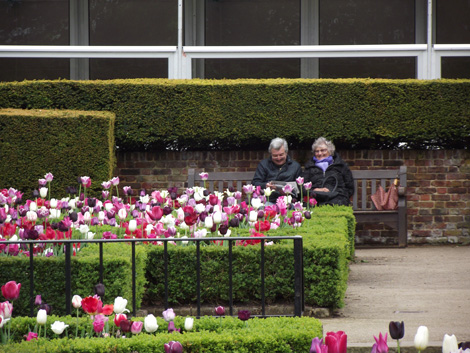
column 207, row 334
column 194, row 213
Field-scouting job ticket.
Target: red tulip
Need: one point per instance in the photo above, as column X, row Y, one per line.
column 11, row 290
column 118, row 318
column 336, row 342
column 92, row 305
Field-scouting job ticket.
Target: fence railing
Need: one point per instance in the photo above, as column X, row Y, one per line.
column 180, row 60
column 68, row 243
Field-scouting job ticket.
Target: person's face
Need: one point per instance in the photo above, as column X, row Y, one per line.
column 279, row 156
column 321, row 152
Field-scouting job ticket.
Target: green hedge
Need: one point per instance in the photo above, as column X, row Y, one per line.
column 228, row 114
column 66, row 143
column 327, row 250
column 49, row 276
column 208, row 335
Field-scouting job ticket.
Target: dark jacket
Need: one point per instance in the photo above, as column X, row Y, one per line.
column 338, row 169
column 267, row 171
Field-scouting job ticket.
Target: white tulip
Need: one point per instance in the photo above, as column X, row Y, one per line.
column 149, row 228
column 132, row 225
column 180, row 214
column 72, row 204
column 101, row 216
column 421, row 338
column 76, row 301
column 120, row 305
column 184, row 242
column 43, row 192
column 449, row 344
column 145, row 199
column 53, row 203
column 42, row 317
column 31, row 216
column 87, row 217
column 268, row 191
column 33, row 206
column 90, row 235
column 208, row 222
column 217, row 217
column 84, row 229
column 256, row 203
column 58, row 327
column 188, row 323
column 200, row 208
column 108, row 206
column 122, row 214
column 14, row 237
column 3, row 321
column 184, row 226
column 54, row 213
column 150, row 323
column 253, row 216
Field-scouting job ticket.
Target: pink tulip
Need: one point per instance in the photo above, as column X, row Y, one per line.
column 136, row 327
column 11, row 290
column 31, row 336
column 381, row 343
column 99, row 322
column 6, row 308
column 336, row 342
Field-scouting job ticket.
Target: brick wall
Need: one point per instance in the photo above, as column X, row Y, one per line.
column 438, row 191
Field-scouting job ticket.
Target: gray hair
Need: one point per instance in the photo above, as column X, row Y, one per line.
column 321, row 141
column 277, row 143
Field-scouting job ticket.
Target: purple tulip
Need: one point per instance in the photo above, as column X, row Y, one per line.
column 173, row 347
column 220, row 310
column 244, row 315
column 316, row 342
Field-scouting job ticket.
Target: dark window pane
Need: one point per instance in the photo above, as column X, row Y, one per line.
column 106, row 69
column 252, row 22
column 453, row 22
column 132, row 22
column 455, row 67
column 34, row 22
column 393, row 68
column 367, row 22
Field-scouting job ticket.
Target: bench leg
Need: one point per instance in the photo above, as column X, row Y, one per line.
column 402, row 228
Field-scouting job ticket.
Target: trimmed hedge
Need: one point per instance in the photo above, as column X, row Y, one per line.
column 327, row 250
column 238, row 114
column 66, row 143
column 209, row 334
column 49, row 276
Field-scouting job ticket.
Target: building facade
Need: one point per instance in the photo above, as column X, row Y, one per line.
column 217, row 39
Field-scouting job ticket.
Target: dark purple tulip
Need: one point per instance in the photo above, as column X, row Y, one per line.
column 234, row 222
column 46, row 307
column 260, row 214
column 205, row 192
column 82, row 197
column 99, row 290
column 110, row 214
column 73, row 216
column 32, row 234
column 244, row 315
column 55, row 225
column 307, row 215
column 167, row 210
column 464, row 345
column 63, row 226
column 223, row 228
column 91, row 201
column 397, row 329
column 95, row 221
column 35, row 194
column 125, row 325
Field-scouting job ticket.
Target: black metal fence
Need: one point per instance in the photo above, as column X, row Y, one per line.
column 298, row 267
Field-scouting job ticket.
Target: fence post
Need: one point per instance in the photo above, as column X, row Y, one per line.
column 68, row 275
column 31, row 280
column 298, row 277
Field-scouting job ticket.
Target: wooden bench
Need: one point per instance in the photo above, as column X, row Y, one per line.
column 366, row 183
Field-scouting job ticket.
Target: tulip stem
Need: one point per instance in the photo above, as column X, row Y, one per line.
column 398, row 346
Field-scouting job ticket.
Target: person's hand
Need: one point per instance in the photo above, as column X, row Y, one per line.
column 322, row 189
column 269, row 184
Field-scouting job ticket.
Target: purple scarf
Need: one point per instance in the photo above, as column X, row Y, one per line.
column 323, row 163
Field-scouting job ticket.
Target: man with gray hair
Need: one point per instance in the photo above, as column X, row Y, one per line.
column 278, row 167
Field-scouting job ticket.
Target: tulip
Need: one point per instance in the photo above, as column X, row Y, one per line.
column 136, row 327
column 6, row 308
column 132, row 225
column 208, row 222
column 244, row 315
column 115, row 181
column 84, row 229
column 11, row 290
column 33, row 206
column 99, row 290
column 381, row 344
column 3, row 321
column 397, row 332
column 125, row 325
column 220, row 310
column 253, row 217
column 43, row 192
column 217, row 217
column 120, row 305
column 169, row 315
column 76, row 301
column 91, row 305
column 188, row 323
column 449, row 344
column 204, row 176
column 58, row 327
column 421, row 338
column 31, row 216
column 299, row 180
column 46, row 307
column 173, row 347
column 122, row 214
column 316, row 342
column 31, row 336
column 336, row 342
column 150, row 323
column 38, row 300
column 41, row 317
column 118, row 318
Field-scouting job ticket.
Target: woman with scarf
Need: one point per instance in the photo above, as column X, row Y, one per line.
column 331, row 178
